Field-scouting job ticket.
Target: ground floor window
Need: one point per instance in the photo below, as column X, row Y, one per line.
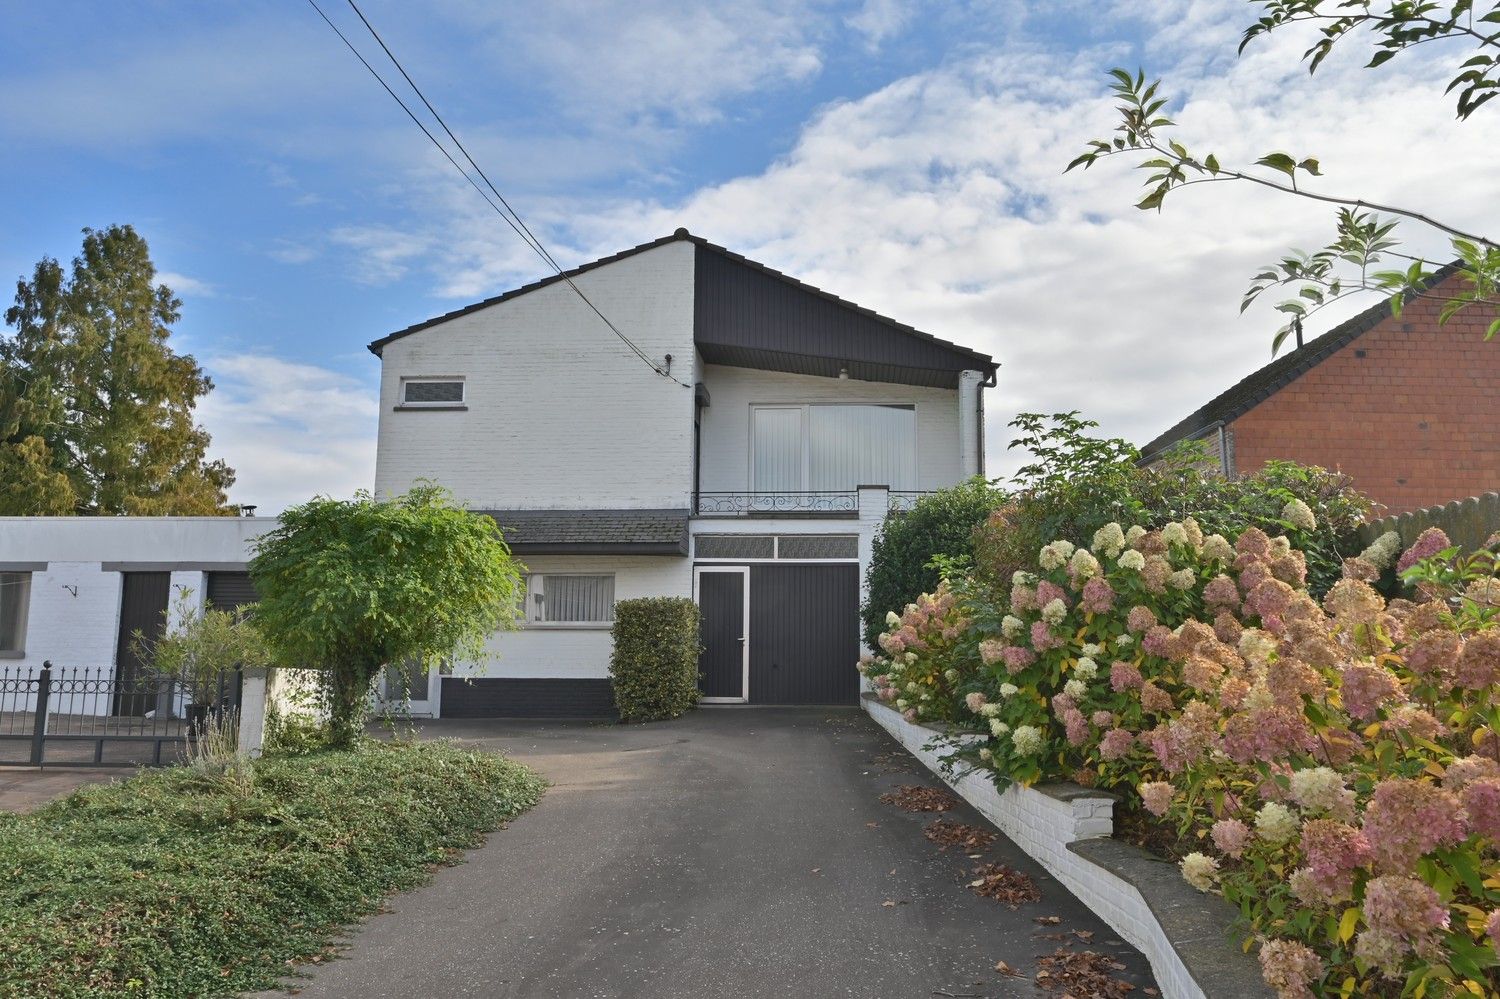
column 15, row 597
column 570, row 598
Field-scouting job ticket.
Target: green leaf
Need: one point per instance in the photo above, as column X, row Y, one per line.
column 1212, row 163
column 1311, row 166
column 1382, row 56
column 1279, row 161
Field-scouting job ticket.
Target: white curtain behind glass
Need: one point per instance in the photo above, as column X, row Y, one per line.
column 850, row 446
column 15, row 590
column 578, row 598
column 776, row 446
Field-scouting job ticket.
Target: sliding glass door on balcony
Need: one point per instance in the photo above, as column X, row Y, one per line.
column 832, row 448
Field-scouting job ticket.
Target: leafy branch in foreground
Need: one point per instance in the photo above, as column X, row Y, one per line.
column 1358, row 258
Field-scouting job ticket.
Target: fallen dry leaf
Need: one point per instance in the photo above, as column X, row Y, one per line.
column 1081, row 974
column 945, row 834
column 1004, row 884
column 916, row 798
column 1049, row 920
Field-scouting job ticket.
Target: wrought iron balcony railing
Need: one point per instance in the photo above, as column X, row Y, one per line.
column 840, row 503
column 900, row 501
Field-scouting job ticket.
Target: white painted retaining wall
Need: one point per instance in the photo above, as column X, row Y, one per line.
column 1043, row 821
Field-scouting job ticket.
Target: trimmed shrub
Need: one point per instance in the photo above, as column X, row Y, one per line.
column 655, row 661
column 941, row 524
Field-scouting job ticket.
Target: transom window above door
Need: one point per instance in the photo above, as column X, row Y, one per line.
column 832, row 448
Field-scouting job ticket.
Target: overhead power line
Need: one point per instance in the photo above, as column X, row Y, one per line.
column 503, row 208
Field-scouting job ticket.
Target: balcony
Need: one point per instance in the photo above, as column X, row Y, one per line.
column 824, row 503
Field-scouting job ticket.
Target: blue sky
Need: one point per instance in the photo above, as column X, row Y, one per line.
column 905, row 155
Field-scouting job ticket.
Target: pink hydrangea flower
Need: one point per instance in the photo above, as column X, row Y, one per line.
column 1290, row 968
column 910, row 714
column 1434, row 654
column 1253, row 542
column 1116, row 743
column 1408, row 818
column 1048, row 591
column 1124, row 676
column 1492, row 927
column 974, row 700
column 1266, row 734
column 1102, row 719
column 1334, row 851
column 1154, row 699
column 991, row 651
column 1139, row 619
column 1366, row 687
column 1221, row 592
column 1158, row 641
column 1403, row 907
column 1042, row 638
column 1023, row 598
column 1098, row 595
column 1231, row 837
column 1017, row 658
column 1470, row 768
column 1428, row 544
column 1481, row 800
column 1479, row 662
column 1076, row 727
column 887, row 693
column 1156, row 796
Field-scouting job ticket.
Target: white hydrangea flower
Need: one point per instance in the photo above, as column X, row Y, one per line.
column 1383, row 550
column 1076, row 689
column 1182, row 579
column 1200, row 871
column 1281, row 545
column 1051, row 558
column 912, row 687
column 1218, row 548
column 1317, row 788
column 1083, row 564
column 1086, row 669
column 1027, row 739
column 1011, row 626
column 1299, row 515
column 1134, row 534
column 1257, row 646
column 998, row 727
column 1022, row 578
column 1133, row 560
column 1109, row 540
column 892, row 619
column 1174, row 534
column 901, row 703
column 990, row 710
column 1009, row 690
column 1275, row 823
column 951, row 675
column 986, row 755
column 1055, row 611
column 1090, row 649
column 1125, row 639
column 910, row 657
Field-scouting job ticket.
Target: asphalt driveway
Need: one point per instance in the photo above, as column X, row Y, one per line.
column 737, row 852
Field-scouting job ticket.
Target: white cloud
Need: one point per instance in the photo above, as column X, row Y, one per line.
column 879, row 20
column 289, row 430
column 382, row 254
column 187, row 287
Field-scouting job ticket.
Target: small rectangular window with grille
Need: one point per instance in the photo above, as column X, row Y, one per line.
column 432, row 392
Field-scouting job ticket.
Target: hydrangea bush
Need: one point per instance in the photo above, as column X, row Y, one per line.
column 1335, row 763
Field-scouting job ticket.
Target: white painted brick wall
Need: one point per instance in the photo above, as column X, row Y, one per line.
column 580, row 653
column 72, row 630
column 732, row 391
column 1043, row 826
column 560, row 412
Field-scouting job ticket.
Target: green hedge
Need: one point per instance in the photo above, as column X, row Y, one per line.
column 942, row 523
column 655, row 660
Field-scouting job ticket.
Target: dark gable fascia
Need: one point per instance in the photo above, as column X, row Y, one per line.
column 1259, row 386
column 746, row 314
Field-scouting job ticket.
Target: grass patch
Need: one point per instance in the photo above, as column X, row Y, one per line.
column 179, row 883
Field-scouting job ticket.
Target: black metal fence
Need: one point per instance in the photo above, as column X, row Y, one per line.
column 88, row 716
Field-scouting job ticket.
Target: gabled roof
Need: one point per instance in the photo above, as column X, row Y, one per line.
column 1259, row 386
column 789, row 326
column 593, row 532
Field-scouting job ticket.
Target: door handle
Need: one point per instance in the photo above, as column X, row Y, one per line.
column 742, row 639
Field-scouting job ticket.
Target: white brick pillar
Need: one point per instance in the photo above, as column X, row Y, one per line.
column 969, row 386
column 253, row 712
column 874, row 504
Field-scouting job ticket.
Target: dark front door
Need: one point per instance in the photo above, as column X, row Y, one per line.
column 143, row 608
column 804, row 633
column 721, row 663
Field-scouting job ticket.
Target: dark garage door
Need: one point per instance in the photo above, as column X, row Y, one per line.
column 804, row 634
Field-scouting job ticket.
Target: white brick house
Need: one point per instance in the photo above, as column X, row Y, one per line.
column 753, row 479
column 737, row 481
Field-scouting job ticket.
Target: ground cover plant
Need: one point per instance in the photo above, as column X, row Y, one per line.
column 1336, row 761
column 210, row 880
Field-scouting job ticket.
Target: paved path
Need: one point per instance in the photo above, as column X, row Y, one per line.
column 24, row 789
column 736, row 852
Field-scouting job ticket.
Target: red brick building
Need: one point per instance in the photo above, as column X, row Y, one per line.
column 1409, row 408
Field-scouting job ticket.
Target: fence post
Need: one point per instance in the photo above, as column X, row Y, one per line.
column 252, row 711
column 39, row 721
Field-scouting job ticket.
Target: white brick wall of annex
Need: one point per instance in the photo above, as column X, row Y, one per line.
column 725, row 447
column 560, row 413
column 579, row 651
